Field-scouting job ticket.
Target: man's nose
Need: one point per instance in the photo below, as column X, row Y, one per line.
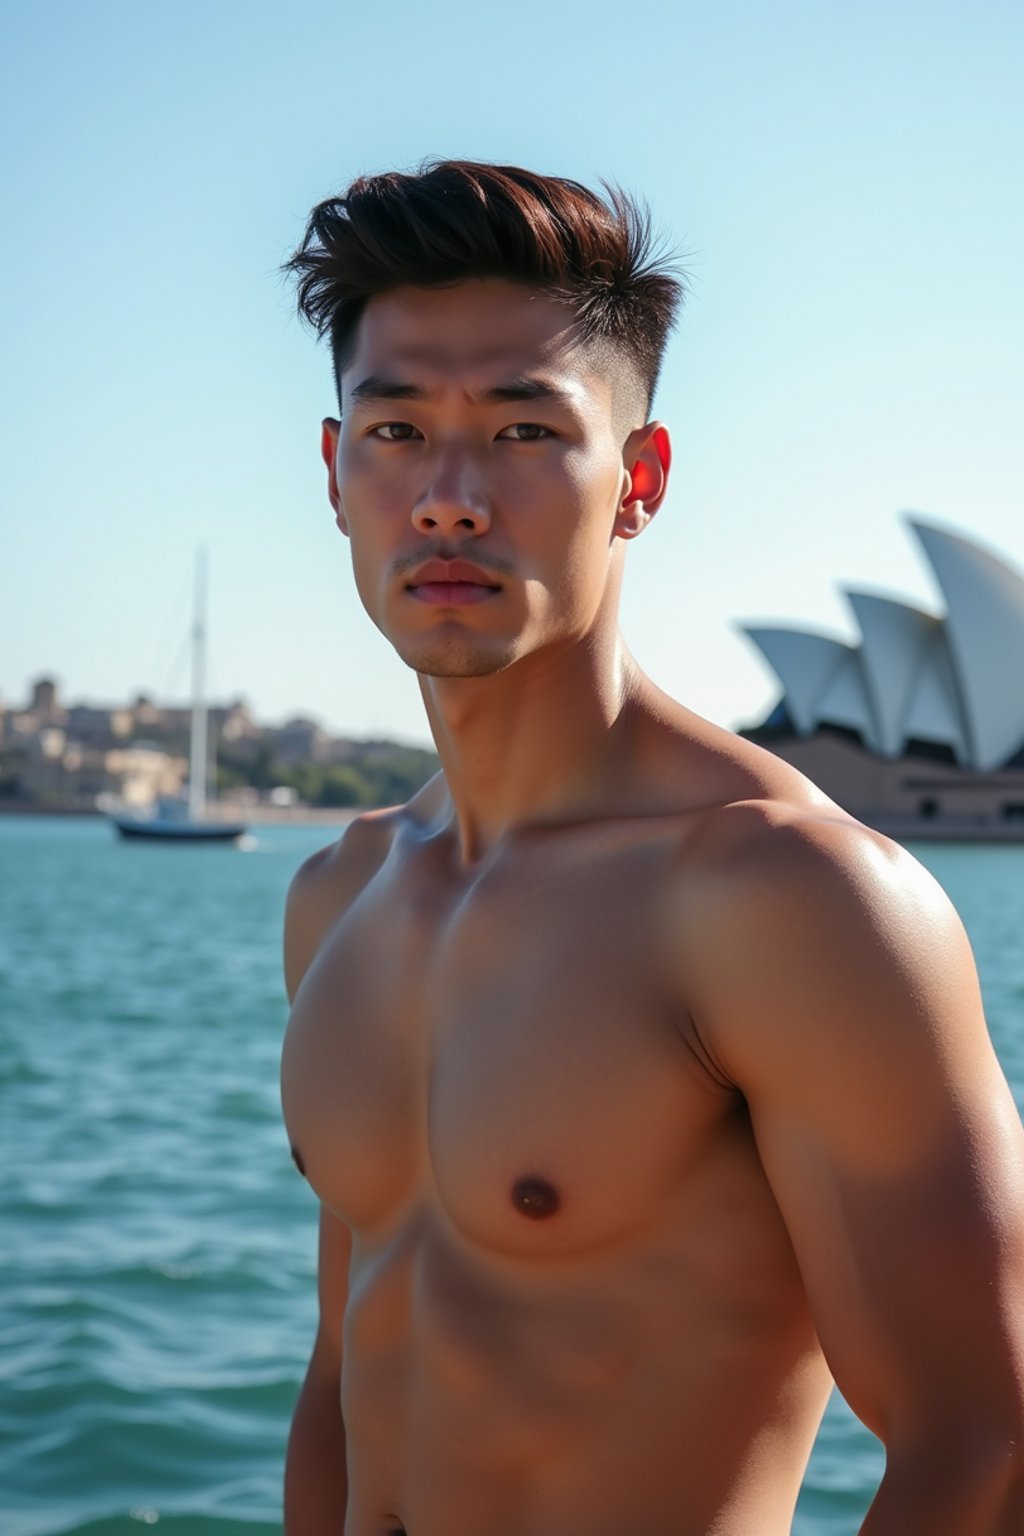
column 453, row 502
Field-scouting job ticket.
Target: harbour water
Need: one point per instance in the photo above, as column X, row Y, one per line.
column 158, row 1255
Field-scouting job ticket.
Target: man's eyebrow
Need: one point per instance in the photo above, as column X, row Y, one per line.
column 377, row 387
column 525, row 388
column 374, row 387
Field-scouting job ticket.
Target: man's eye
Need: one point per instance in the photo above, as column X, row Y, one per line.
column 527, row 432
column 395, row 432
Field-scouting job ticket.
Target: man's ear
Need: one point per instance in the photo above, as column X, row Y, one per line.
column 646, row 459
column 329, row 450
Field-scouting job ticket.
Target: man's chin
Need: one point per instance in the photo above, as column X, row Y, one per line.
column 454, row 658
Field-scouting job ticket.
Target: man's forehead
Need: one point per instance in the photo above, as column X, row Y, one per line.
column 501, row 304
column 469, row 330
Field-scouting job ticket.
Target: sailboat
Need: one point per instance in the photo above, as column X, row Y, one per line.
column 183, row 818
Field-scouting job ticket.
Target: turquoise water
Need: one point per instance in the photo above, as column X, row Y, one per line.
column 158, row 1255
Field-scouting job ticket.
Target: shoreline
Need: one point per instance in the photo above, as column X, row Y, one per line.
column 263, row 815
column 901, row 829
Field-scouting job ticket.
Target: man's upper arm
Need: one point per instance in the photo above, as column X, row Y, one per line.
column 310, row 908
column 324, row 886
column 830, row 977
column 320, row 891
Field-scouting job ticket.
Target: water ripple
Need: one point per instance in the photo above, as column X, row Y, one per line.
column 159, row 1255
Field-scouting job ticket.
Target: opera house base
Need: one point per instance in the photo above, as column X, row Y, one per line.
column 919, row 796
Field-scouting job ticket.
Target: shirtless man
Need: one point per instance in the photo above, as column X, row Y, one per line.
column 644, row 1090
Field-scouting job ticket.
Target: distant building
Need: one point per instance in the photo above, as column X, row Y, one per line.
column 95, row 725
column 922, row 722
column 236, row 722
column 298, row 741
column 45, row 702
column 138, row 774
column 82, row 757
column 146, row 714
column 70, row 757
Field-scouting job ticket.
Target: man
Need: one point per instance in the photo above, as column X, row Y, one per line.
column 643, row 1089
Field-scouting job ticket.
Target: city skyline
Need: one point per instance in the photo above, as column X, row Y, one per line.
column 173, row 705
column 841, row 181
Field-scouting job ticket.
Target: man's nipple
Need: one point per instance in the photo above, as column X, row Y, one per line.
column 535, row 1198
column 297, row 1160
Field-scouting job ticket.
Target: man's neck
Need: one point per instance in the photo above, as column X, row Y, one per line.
column 536, row 742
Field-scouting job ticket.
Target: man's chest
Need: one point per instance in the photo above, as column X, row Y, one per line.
column 506, row 1046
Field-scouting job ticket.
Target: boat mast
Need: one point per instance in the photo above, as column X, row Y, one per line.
column 197, row 748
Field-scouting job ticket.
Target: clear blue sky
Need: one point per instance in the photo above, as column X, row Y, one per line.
column 846, row 175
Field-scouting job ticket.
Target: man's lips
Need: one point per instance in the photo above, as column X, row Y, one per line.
column 451, row 583
column 451, row 594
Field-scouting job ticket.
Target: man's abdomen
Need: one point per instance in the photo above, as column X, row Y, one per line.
column 613, row 1396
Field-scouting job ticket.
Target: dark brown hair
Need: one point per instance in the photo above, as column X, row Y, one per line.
column 457, row 219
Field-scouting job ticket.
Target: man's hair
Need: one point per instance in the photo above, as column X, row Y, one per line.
column 459, row 219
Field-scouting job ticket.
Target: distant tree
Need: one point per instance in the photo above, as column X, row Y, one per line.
column 344, row 785
column 229, row 776
column 372, row 777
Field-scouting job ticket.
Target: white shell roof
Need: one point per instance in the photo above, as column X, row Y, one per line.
column 934, row 712
column 985, row 631
column 957, row 678
column 805, row 662
column 896, row 637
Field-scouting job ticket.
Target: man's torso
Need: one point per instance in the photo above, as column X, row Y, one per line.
column 573, row 1305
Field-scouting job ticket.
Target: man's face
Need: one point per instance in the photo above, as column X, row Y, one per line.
column 480, row 471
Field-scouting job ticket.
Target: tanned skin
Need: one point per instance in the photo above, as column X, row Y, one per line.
column 643, row 1089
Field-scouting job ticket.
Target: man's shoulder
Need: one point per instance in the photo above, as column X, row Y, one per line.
column 797, row 922
column 361, row 847
column 338, row 871
column 325, row 885
column 330, row 880
column 763, row 881
column 787, row 843
column 766, row 864
column 743, row 810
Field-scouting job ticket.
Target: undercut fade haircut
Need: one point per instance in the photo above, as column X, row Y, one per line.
column 458, row 219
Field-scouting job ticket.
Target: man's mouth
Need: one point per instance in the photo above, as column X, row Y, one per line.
column 452, row 594
column 451, row 583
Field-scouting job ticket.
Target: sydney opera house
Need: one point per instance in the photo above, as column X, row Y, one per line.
column 918, row 729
